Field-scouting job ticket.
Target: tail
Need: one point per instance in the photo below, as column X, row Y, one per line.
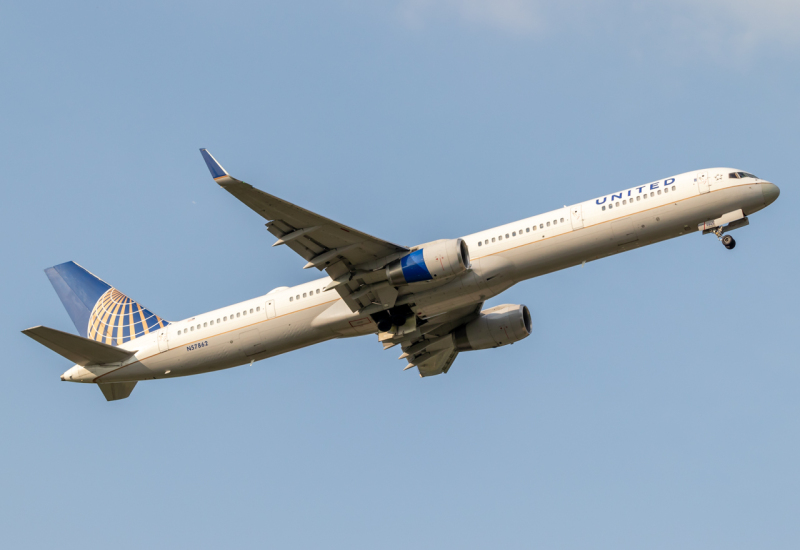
column 98, row 310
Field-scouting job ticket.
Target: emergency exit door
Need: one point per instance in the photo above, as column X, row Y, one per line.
column 576, row 215
column 163, row 339
column 702, row 182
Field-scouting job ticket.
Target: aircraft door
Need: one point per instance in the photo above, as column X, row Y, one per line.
column 270, row 307
column 163, row 340
column 576, row 215
column 702, row 182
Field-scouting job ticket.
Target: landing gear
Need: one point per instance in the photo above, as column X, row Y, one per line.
column 395, row 317
column 398, row 320
column 728, row 242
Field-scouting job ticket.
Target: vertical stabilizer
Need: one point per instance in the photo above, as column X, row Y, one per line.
column 98, row 310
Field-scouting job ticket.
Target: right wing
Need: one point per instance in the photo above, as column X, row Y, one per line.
column 429, row 345
column 325, row 244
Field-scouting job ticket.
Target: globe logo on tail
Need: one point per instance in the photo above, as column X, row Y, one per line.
column 116, row 319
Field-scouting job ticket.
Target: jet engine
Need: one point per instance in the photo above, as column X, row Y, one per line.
column 497, row 326
column 437, row 260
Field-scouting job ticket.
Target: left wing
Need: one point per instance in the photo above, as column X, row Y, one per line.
column 325, row 244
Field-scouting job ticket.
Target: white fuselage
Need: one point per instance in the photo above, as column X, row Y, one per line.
column 289, row 318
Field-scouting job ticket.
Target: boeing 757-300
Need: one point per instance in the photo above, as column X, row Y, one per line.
column 428, row 299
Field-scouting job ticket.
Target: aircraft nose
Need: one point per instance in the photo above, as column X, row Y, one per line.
column 770, row 192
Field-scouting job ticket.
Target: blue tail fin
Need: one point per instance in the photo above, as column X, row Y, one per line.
column 100, row 311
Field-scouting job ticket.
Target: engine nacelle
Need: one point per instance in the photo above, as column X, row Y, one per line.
column 438, row 260
column 497, row 326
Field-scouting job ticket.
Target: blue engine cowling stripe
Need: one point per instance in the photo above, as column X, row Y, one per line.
column 414, row 268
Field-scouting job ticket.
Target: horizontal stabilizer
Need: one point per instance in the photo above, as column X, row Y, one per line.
column 117, row 390
column 78, row 349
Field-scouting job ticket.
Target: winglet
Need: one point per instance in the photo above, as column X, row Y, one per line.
column 217, row 171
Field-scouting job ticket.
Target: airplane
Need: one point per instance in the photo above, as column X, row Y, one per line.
column 428, row 299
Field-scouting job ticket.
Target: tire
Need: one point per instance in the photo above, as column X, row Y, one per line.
column 398, row 320
column 728, row 242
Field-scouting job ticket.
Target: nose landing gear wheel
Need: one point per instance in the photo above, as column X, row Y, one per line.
column 728, row 242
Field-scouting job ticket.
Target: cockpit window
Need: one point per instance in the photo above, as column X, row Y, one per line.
column 741, row 175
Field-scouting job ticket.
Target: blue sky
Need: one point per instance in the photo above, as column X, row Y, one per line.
column 655, row 404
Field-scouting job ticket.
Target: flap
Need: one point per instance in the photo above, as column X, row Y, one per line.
column 429, row 347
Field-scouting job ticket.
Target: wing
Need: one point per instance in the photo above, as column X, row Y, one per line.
column 325, row 244
column 429, row 345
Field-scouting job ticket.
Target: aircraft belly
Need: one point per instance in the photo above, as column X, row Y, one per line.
column 291, row 332
column 338, row 321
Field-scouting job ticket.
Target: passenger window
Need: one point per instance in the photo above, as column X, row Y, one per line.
column 297, row 297
column 217, row 321
column 548, row 224
column 500, row 238
column 506, row 235
column 562, row 220
column 251, row 310
column 638, row 198
column 192, row 329
column 212, row 322
column 244, row 312
column 527, row 230
column 258, row 308
column 604, row 208
column 673, row 188
column 652, row 194
column 198, row 327
column 179, row 333
column 541, row 226
column 514, row 234
column 205, row 324
column 480, row 243
column 304, row 295
column 666, row 190
column 492, row 239
column 659, row 191
column 610, row 206
column 617, row 205
column 624, row 202
column 291, row 299
column 238, row 315
column 317, row 291
column 486, row 241
column 644, row 196
column 225, row 318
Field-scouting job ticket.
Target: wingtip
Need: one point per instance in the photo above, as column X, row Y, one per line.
column 216, row 169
